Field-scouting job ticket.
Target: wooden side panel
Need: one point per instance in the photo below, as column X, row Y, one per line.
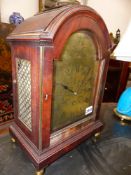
column 29, row 53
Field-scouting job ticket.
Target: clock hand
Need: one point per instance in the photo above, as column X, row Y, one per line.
column 67, row 88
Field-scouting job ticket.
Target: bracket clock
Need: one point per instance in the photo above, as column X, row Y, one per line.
column 60, row 59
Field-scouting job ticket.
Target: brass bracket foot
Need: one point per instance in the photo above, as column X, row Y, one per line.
column 41, row 172
column 96, row 137
column 13, row 140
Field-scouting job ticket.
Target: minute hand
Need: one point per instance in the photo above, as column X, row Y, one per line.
column 67, row 88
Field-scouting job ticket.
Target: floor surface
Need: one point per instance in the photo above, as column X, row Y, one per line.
column 111, row 155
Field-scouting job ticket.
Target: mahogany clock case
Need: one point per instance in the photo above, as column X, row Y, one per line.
column 59, row 60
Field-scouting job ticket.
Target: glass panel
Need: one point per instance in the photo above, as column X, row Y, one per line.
column 24, row 91
column 74, row 81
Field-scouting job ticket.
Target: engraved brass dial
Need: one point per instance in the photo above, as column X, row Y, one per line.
column 74, row 80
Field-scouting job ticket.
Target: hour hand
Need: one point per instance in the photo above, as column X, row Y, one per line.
column 67, row 88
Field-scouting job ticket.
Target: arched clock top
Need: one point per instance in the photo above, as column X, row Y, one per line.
column 48, row 26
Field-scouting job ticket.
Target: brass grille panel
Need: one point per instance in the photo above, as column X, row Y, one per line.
column 24, row 92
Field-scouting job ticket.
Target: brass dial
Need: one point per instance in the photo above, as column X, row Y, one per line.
column 74, row 80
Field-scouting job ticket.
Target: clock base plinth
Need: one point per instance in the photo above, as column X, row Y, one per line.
column 42, row 158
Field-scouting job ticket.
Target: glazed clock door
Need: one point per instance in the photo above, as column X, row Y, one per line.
column 74, row 81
